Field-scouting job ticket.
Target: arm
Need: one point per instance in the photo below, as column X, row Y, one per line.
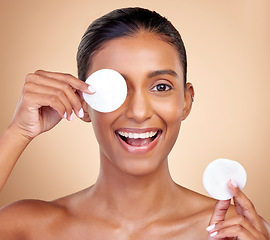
column 12, row 144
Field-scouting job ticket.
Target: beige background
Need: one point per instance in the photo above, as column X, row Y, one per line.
column 228, row 62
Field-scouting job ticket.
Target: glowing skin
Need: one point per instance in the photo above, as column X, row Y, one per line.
column 155, row 103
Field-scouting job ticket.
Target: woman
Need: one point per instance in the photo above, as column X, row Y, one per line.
column 134, row 196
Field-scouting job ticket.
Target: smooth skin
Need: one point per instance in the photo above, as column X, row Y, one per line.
column 134, row 196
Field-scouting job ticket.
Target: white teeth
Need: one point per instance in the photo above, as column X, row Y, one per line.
column 137, row 135
column 152, row 134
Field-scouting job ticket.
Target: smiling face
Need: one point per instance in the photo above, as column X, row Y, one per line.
column 137, row 137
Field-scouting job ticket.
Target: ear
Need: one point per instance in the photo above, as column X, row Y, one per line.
column 86, row 116
column 188, row 100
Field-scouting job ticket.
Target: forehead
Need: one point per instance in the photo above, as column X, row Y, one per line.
column 144, row 53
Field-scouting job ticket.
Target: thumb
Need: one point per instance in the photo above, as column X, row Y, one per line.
column 220, row 211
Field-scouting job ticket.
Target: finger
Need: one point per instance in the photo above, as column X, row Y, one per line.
column 59, row 88
column 243, row 205
column 236, row 221
column 36, row 101
column 73, row 81
column 49, row 91
column 220, row 211
column 80, row 95
column 235, row 231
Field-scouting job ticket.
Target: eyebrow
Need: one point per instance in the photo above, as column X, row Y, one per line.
column 162, row 72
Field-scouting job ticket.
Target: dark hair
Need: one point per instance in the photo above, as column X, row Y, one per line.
column 126, row 22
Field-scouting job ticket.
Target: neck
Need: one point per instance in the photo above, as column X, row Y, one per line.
column 135, row 197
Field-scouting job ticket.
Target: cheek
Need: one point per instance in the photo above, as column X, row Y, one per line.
column 170, row 110
column 101, row 125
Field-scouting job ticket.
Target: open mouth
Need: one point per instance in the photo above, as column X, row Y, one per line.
column 138, row 139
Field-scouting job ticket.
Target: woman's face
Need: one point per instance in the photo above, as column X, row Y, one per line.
column 137, row 137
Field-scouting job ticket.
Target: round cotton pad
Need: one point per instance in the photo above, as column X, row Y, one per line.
column 111, row 90
column 217, row 175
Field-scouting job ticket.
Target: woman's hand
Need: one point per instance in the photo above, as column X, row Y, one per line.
column 246, row 225
column 48, row 97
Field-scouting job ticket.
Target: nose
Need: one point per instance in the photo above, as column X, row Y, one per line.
column 139, row 106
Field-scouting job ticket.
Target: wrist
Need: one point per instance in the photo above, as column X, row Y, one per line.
column 12, row 144
column 16, row 134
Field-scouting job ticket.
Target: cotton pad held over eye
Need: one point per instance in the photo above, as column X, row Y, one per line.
column 111, row 90
column 217, row 175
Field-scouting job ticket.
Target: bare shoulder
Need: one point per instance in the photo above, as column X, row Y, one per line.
column 21, row 218
column 31, row 219
column 193, row 214
column 206, row 205
column 199, row 203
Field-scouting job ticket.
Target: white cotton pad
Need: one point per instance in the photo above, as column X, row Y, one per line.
column 111, row 90
column 217, row 175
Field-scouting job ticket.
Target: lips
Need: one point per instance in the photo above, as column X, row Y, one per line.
column 138, row 139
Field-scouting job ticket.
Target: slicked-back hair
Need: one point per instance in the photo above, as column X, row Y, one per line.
column 126, row 22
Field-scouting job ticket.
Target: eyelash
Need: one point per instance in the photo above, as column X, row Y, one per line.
column 167, row 87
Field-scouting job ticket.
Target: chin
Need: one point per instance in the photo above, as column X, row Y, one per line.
column 141, row 167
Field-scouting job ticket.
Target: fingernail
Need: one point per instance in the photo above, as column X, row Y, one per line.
column 213, row 234
column 234, row 183
column 91, row 89
column 211, row 227
column 81, row 113
column 65, row 115
column 71, row 117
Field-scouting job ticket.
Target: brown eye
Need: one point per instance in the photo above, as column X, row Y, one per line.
column 162, row 87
